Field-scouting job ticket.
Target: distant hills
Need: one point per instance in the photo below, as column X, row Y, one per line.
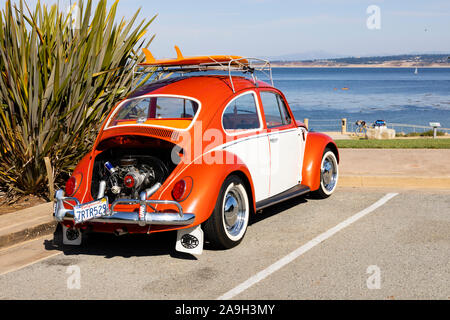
column 308, row 55
column 404, row 60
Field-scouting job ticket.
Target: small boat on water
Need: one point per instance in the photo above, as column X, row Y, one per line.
column 416, row 71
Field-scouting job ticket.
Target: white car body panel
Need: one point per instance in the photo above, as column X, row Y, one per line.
column 286, row 157
column 254, row 153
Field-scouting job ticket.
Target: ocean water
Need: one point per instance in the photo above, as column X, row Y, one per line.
column 396, row 95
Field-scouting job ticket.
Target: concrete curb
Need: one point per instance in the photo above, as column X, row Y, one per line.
column 26, row 224
column 34, row 232
column 394, row 182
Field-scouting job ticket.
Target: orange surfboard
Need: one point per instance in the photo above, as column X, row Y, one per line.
column 186, row 61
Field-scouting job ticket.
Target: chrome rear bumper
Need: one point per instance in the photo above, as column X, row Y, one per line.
column 141, row 218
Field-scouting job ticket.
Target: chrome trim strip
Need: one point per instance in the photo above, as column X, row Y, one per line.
column 293, row 192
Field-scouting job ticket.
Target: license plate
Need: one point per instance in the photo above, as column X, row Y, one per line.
column 91, row 210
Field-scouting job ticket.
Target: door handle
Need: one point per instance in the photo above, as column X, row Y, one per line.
column 274, row 139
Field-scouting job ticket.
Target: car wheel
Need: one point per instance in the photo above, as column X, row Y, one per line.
column 228, row 223
column 329, row 174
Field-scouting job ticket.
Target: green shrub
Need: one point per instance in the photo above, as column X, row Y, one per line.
column 428, row 133
column 57, row 84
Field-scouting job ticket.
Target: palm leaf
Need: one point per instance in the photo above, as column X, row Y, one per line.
column 57, row 84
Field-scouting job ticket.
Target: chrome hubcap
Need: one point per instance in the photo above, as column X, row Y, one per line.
column 231, row 210
column 234, row 211
column 329, row 173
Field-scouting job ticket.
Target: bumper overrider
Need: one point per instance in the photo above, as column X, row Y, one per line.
column 141, row 218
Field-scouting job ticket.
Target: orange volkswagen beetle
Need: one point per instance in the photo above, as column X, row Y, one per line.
column 196, row 153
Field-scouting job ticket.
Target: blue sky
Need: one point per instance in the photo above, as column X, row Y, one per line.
column 265, row 28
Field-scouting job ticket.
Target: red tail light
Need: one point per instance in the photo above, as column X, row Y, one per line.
column 71, row 186
column 178, row 190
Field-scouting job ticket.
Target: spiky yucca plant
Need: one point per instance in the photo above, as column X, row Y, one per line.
column 57, row 83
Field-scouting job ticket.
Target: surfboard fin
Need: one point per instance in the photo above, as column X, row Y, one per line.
column 179, row 55
column 148, row 56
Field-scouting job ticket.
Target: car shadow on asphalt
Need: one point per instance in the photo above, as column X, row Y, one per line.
column 126, row 246
column 278, row 208
column 155, row 244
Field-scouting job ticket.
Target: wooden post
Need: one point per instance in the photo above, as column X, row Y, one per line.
column 344, row 126
column 305, row 121
column 48, row 167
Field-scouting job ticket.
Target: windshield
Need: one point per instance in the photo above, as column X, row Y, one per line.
column 174, row 112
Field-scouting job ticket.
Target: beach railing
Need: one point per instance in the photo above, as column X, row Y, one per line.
column 346, row 125
column 413, row 128
column 324, row 124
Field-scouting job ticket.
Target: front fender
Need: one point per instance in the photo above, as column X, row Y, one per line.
column 207, row 180
column 314, row 148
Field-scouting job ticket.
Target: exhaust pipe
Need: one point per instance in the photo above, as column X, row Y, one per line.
column 101, row 189
column 150, row 191
column 144, row 195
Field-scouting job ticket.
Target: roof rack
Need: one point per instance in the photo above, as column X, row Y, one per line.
column 185, row 65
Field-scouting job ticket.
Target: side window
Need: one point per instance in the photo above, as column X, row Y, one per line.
column 284, row 112
column 275, row 110
column 241, row 114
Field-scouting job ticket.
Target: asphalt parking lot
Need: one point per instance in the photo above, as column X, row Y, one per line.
column 399, row 249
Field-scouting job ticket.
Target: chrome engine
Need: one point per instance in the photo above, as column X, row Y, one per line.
column 127, row 176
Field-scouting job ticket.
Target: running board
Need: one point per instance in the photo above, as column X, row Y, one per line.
column 285, row 195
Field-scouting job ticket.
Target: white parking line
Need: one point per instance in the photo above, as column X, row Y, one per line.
column 304, row 248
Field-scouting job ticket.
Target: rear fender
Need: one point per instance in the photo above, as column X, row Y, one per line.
column 207, row 179
column 314, row 148
column 82, row 173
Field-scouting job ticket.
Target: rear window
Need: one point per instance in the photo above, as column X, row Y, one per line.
column 174, row 112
